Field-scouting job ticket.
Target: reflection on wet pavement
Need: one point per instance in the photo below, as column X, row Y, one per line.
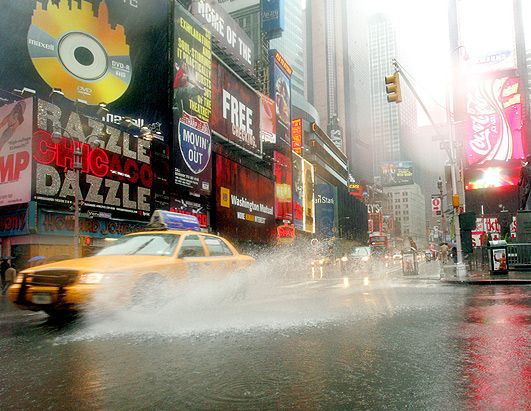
column 365, row 345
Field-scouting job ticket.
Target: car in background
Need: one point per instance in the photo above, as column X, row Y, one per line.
column 359, row 259
column 133, row 270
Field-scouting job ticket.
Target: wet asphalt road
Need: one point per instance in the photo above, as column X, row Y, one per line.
column 369, row 344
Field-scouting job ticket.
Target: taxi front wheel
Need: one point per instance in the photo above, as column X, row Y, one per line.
column 149, row 292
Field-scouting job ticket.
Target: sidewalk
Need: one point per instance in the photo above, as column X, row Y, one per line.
column 485, row 278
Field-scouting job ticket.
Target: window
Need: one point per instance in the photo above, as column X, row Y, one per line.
column 404, row 200
column 217, row 247
column 142, row 244
column 192, row 247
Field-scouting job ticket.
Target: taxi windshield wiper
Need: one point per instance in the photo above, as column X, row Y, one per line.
column 141, row 247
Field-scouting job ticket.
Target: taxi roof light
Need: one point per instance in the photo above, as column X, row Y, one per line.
column 167, row 220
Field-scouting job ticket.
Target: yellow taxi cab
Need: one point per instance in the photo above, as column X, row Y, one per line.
column 172, row 250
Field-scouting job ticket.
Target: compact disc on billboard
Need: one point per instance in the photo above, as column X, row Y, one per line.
column 78, row 51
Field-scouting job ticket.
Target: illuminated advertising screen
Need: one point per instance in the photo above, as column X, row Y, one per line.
column 116, row 177
column 282, row 171
column 296, row 135
column 494, row 121
column 268, row 120
column 109, row 51
column 298, row 192
column 273, row 17
column 192, row 104
column 16, row 127
column 235, row 112
column 280, row 91
column 225, row 31
column 244, row 203
column 325, row 209
column 397, row 173
column 495, row 174
column 487, row 35
column 309, row 197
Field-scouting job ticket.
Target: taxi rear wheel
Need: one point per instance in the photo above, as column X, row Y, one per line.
column 148, row 292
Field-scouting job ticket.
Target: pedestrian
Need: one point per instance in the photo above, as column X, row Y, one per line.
column 412, row 244
column 4, row 265
column 10, row 276
column 524, row 183
column 443, row 253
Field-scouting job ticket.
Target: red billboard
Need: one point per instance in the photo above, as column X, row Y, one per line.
column 235, row 109
column 244, row 202
column 494, row 121
column 283, row 186
column 268, row 120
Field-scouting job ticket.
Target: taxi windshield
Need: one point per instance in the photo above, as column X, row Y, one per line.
column 143, row 244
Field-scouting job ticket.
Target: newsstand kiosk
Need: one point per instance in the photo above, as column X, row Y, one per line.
column 498, row 263
column 409, row 263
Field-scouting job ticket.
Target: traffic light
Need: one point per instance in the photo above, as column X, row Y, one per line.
column 392, row 88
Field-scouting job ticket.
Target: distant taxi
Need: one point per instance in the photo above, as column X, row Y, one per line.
column 139, row 264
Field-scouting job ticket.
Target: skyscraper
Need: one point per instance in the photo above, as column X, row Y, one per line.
column 385, row 116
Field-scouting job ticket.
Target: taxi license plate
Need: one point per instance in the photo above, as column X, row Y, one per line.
column 41, row 298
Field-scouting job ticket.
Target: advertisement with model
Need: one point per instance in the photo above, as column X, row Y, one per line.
column 116, row 173
column 235, row 110
column 280, row 91
column 397, row 173
column 16, row 127
column 94, row 51
column 244, row 202
column 192, row 104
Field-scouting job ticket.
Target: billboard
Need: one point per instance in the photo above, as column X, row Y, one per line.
column 298, row 192
column 188, row 207
column 244, row 202
column 494, row 121
column 235, row 112
column 487, row 34
column 325, row 209
column 93, row 50
column 272, row 17
column 282, row 170
column 397, row 173
column 225, row 31
column 309, row 197
column 495, row 174
column 16, row 127
column 268, row 120
column 192, row 104
column 280, row 91
column 296, row 135
column 116, row 177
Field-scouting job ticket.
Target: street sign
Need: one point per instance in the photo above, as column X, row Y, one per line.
column 436, row 205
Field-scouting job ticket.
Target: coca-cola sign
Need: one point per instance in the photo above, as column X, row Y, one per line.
column 494, row 121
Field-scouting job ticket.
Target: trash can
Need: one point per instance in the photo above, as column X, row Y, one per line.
column 498, row 257
column 409, row 263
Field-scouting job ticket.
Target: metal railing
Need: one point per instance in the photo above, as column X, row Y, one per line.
column 518, row 257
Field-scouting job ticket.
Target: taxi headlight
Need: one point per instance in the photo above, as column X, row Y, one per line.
column 91, row 278
column 19, row 278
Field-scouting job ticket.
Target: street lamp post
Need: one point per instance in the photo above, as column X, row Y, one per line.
column 77, row 165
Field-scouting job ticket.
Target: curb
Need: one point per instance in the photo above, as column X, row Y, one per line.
column 486, row 281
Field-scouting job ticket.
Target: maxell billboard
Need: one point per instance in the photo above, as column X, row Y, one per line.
column 16, row 127
column 192, row 105
column 110, row 51
column 115, row 177
column 225, row 31
column 235, row 112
